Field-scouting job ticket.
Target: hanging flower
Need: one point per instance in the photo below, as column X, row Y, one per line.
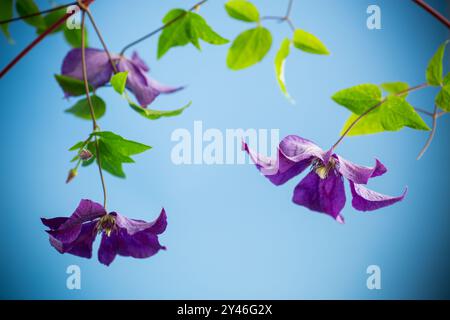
column 100, row 70
column 322, row 189
column 120, row 235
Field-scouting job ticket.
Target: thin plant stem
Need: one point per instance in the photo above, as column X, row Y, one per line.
column 428, row 113
column 289, row 9
column 151, row 34
column 91, row 106
column 432, row 133
column 37, row 13
column 100, row 37
column 34, row 43
column 433, row 12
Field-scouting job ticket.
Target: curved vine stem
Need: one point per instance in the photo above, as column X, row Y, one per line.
column 38, row 13
column 433, row 12
column 365, row 113
column 432, row 133
column 151, row 34
column 91, row 106
column 286, row 18
column 41, row 37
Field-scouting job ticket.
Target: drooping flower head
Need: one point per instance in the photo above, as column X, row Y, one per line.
column 322, row 189
column 120, row 235
column 100, row 70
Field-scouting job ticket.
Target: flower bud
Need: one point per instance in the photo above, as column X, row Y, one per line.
column 85, row 155
column 72, row 174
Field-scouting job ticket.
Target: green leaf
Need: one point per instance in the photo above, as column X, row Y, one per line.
column 6, row 13
column 51, row 18
column 157, row 114
column 242, row 10
column 435, row 68
column 446, row 79
column 280, row 60
column 249, row 48
column 358, row 98
column 81, row 108
column 121, row 145
column 309, row 43
column 119, row 81
column 73, row 37
column 189, row 27
column 27, row 7
column 392, row 115
column 77, row 146
column 115, row 151
column 72, row 86
column 443, row 98
column 394, row 88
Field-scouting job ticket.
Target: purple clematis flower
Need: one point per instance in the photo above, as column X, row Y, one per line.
column 322, row 189
column 120, row 235
column 100, row 70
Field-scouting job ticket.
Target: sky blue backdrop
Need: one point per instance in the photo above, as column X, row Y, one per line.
column 231, row 233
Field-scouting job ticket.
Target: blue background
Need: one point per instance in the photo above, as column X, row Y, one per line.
column 231, row 233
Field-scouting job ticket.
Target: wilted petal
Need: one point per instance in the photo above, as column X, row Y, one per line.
column 322, row 195
column 82, row 245
column 359, row 174
column 54, row 223
column 161, row 87
column 136, row 59
column 134, row 226
column 295, row 154
column 68, row 231
column 141, row 245
column 137, row 82
column 99, row 69
column 367, row 200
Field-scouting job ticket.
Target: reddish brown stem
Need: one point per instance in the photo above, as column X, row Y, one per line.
column 433, row 12
column 41, row 37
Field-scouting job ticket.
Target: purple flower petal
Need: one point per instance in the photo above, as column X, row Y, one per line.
column 82, row 245
column 322, row 195
column 136, row 59
column 295, row 154
column 134, row 226
column 137, row 82
column 68, row 231
column 54, row 223
column 108, row 248
column 367, row 200
column 359, row 174
column 141, row 245
column 161, row 87
column 99, row 68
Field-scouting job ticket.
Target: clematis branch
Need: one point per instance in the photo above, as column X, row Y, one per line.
column 37, row 13
column 91, row 106
column 286, row 18
column 151, row 34
column 41, row 37
column 102, row 40
column 365, row 113
column 433, row 12
column 432, row 133
column 428, row 113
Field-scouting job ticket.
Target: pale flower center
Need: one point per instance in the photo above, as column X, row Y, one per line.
column 322, row 170
column 106, row 224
